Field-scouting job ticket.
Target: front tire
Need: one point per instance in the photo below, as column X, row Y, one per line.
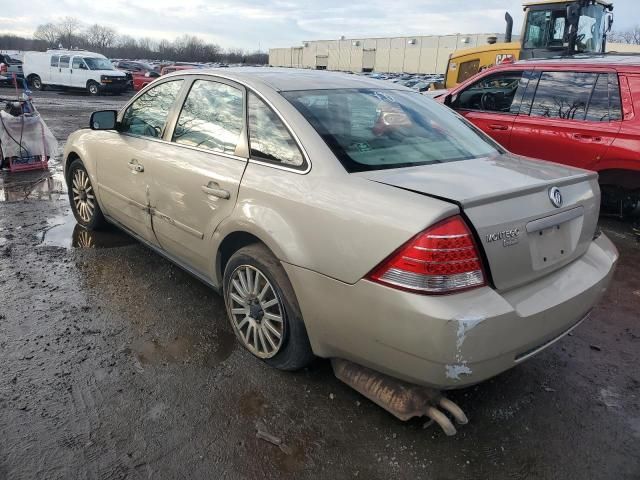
column 84, row 203
column 263, row 309
column 36, row 82
column 93, row 88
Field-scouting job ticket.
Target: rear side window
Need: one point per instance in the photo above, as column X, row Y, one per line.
column 64, row 61
column 54, row 60
column 269, row 139
column 468, row 69
column 605, row 101
column 147, row 115
column 563, row 95
column 495, row 93
column 211, row 117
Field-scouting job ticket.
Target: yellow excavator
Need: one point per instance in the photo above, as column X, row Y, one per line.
column 551, row 28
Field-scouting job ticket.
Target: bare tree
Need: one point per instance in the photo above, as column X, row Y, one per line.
column 49, row 33
column 100, row 37
column 69, row 29
column 630, row 36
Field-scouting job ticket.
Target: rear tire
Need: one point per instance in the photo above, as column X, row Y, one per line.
column 36, row 82
column 93, row 88
column 82, row 198
column 263, row 309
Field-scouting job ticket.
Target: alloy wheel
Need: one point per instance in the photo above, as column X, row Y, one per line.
column 256, row 311
column 84, row 199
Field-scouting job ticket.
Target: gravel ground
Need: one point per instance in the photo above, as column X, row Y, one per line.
column 117, row 364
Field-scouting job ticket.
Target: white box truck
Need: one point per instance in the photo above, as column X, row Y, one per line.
column 73, row 69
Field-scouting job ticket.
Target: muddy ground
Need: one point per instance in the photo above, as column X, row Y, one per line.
column 114, row 364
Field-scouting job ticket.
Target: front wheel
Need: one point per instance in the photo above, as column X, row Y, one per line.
column 93, row 88
column 36, row 82
column 82, row 197
column 263, row 309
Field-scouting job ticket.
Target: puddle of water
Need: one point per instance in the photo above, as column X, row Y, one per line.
column 184, row 349
column 63, row 231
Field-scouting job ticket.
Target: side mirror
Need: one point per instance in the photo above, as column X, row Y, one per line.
column 609, row 22
column 103, row 120
column 448, row 100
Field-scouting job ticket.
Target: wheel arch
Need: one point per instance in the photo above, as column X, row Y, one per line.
column 230, row 244
column 625, row 178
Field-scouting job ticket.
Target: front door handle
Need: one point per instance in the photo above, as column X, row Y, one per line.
column 497, row 126
column 135, row 166
column 586, row 138
column 212, row 188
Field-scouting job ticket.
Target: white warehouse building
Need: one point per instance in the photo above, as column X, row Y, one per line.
column 417, row 54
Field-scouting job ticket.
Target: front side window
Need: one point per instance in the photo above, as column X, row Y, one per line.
column 211, row 117
column 605, row 100
column 54, row 60
column 64, row 61
column 147, row 115
column 563, row 95
column 494, row 93
column 78, row 63
column 269, row 139
column 370, row 129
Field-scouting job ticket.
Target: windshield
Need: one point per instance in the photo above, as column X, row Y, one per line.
column 371, row 129
column 549, row 28
column 98, row 64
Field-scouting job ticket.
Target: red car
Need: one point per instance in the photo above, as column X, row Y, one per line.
column 583, row 112
column 142, row 74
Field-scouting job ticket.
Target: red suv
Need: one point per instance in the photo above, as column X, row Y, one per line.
column 583, row 112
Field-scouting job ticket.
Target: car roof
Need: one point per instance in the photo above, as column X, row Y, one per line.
column 289, row 79
column 618, row 61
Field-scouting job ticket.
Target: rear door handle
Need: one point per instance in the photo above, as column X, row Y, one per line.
column 212, row 188
column 135, row 166
column 497, row 126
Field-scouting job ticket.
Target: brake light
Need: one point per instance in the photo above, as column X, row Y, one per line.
column 442, row 259
column 3, row 68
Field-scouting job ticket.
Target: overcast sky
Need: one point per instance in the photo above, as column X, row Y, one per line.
column 250, row 24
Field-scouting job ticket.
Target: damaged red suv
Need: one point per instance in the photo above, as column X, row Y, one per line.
column 583, row 112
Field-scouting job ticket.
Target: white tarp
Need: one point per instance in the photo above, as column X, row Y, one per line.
column 26, row 136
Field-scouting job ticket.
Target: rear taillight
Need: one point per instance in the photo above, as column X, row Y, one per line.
column 442, row 259
column 3, row 68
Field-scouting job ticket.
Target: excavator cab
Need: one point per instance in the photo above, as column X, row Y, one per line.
column 555, row 28
column 552, row 28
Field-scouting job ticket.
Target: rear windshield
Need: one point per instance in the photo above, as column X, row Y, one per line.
column 371, row 129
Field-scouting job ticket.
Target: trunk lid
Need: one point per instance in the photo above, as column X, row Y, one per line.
column 507, row 200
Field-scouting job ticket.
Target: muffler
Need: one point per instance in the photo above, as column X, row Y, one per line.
column 402, row 399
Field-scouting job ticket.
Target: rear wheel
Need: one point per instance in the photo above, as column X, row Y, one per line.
column 93, row 88
column 263, row 309
column 82, row 197
column 36, row 82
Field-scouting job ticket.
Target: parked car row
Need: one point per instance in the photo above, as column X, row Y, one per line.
column 418, row 82
column 582, row 112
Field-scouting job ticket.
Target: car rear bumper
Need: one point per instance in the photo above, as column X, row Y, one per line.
column 449, row 341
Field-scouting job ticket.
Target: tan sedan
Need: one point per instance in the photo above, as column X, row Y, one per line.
column 349, row 218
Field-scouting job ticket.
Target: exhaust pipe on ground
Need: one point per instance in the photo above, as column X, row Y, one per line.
column 402, row 399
